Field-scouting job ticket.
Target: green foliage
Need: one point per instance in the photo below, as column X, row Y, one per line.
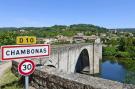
column 68, row 33
column 125, row 47
column 123, row 54
column 9, row 81
column 112, row 42
column 87, row 27
column 88, row 33
column 7, row 38
column 109, row 51
column 125, row 43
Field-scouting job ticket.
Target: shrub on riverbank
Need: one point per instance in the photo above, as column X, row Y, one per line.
column 114, row 51
column 109, row 51
column 123, row 54
column 122, row 47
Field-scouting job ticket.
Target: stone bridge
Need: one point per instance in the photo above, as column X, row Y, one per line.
column 75, row 58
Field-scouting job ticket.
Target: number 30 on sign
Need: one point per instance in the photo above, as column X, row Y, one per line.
column 26, row 40
column 26, row 67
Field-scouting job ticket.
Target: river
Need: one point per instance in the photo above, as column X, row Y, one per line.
column 121, row 70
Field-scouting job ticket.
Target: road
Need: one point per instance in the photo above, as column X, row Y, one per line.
column 4, row 67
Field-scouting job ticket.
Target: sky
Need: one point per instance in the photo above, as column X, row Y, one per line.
column 40, row 13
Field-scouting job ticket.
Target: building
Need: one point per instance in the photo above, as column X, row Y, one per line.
column 79, row 38
column 102, row 34
column 62, row 38
column 82, row 38
column 46, row 40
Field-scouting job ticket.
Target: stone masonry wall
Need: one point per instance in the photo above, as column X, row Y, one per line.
column 50, row 78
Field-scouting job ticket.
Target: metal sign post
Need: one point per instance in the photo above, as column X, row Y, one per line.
column 27, row 82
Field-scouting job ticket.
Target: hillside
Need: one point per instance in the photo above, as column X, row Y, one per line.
column 125, row 29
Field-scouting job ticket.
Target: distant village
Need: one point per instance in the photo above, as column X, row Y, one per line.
column 81, row 38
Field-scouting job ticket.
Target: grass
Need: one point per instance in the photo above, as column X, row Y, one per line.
column 9, row 81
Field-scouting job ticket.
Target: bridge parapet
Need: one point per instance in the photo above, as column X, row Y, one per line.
column 50, row 78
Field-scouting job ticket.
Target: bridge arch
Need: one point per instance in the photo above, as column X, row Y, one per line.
column 82, row 65
column 71, row 59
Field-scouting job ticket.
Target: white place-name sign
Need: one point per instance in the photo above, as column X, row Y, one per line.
column 24, row 51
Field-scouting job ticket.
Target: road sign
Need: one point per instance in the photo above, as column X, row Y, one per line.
column 26, row 67
column 26, row 40
column 25, row 51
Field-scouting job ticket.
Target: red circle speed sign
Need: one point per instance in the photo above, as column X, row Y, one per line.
column 26, row 67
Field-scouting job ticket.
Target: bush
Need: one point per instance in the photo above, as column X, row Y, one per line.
column 123, row 54
column 109, row 51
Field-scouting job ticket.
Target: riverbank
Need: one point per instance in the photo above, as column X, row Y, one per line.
column 114, row 51
column 118, row 69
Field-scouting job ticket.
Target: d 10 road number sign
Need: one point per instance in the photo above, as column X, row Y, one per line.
column 26, row 67
column 26, row 40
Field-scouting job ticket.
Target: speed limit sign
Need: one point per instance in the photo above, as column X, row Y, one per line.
column 26, row 67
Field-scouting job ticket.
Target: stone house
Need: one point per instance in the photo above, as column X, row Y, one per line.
column 62, row 38
column 46, row 40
